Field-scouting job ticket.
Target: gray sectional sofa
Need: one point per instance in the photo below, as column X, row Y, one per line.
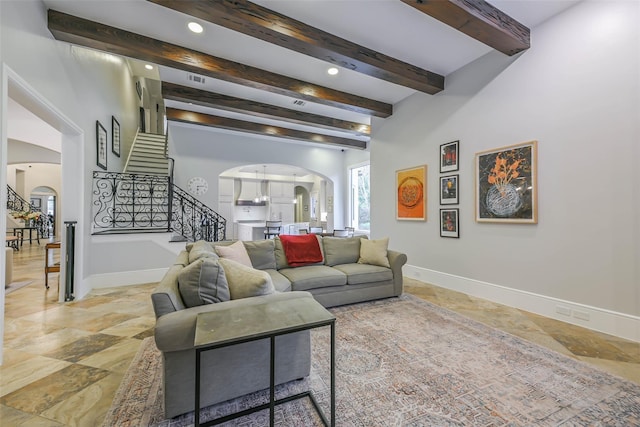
column 238, row 370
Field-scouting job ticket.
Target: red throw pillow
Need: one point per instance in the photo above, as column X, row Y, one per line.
column 301, row 249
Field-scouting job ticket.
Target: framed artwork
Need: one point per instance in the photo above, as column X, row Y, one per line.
column 411, row 194
column 506, row 184
column 449, row 156
column 449, row 190
column 101, row 145
column 36, row 202
column 450, row 223
column 115, row 136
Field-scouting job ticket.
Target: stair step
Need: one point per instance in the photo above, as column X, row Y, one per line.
column 146, row 170
column 143, row 155
column 150, row 145
column 152, row 163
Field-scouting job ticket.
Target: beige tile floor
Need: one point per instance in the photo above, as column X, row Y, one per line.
column 63, row 362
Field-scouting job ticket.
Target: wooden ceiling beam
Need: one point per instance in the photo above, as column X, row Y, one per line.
column 98, row 36
column 201, row 119
column 480, row 20
column 180, row 93
column 254, row 20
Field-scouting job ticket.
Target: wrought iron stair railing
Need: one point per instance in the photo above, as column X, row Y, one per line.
column 133, row 203
column 16, row 203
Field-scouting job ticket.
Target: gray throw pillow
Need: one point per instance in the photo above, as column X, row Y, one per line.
column 201, row 249
column 262, row 253
column 340, row 250
column 203, row 282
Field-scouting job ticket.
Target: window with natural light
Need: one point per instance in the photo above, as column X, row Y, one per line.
column 360, row 198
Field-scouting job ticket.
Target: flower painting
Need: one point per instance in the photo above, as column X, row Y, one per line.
column 506, row 188
column 411, row 202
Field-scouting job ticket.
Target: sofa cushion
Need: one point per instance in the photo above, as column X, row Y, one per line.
column 203, row 282
column 246, row 281
column 280, row 283
column 365, row 273
column 235, row 252
column 314, row 276
column 201, row 249
column 374, row 252
column 262, row 253
column 340, row 250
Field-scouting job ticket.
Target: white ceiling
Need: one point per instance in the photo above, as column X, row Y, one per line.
column 387, row 26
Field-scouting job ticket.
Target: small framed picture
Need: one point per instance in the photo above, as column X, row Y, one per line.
column 449, row 156
column 450, row 223
column 449, row 190
column 101, row 145
column 115, row 136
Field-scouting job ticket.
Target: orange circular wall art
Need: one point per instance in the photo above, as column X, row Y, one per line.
column 411, row 193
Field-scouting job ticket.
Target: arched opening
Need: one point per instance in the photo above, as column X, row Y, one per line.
column 249, row 195
column 302, row 201
column 45, row 198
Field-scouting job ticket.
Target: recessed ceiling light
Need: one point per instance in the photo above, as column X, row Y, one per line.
column 332, row 71
column 195, row 27
column 148, row 67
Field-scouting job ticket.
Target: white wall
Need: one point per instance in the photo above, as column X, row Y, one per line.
column 82, row 85
column 576, row 92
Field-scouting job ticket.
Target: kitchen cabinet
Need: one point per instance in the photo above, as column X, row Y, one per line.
column 225, row 190
column 281, row 192
column 282, row 212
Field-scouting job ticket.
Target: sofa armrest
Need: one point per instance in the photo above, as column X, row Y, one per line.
column 176, row 331
column 396, row 261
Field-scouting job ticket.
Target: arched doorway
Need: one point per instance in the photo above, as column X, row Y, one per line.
column 45, row 198
column 248, row 195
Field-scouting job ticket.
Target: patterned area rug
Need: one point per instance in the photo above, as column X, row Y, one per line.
column 407, row 362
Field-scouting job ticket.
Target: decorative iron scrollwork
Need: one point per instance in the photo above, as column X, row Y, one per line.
column 125, row 202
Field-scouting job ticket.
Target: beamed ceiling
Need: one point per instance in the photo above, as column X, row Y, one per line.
column 264, row 63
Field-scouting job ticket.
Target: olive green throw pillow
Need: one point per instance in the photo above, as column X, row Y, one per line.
column 203, row 282
column 246, row 281
column 374, row 252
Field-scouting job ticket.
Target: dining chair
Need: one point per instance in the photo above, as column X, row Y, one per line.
column 272, row 229
column 315, row 230
column 303, row 231
column 350, row 231
column 340, row 233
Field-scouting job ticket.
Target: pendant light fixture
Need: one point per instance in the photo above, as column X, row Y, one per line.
column 264, row 182
column 295, row 199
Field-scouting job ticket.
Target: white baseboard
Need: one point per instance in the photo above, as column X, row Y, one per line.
column 125, row 278
column 598, row 319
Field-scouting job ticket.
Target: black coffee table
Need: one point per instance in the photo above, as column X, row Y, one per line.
column 256, row 322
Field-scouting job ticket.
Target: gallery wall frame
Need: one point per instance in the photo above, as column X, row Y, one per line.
column 411, row 193
column 449, row 189
column 450, row 223
column 115, row 136
column 449, row 155
column 506, row 184
column 101, row 145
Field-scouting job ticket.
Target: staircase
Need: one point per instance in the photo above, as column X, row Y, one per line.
column 144, row 199
column 148, row 155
